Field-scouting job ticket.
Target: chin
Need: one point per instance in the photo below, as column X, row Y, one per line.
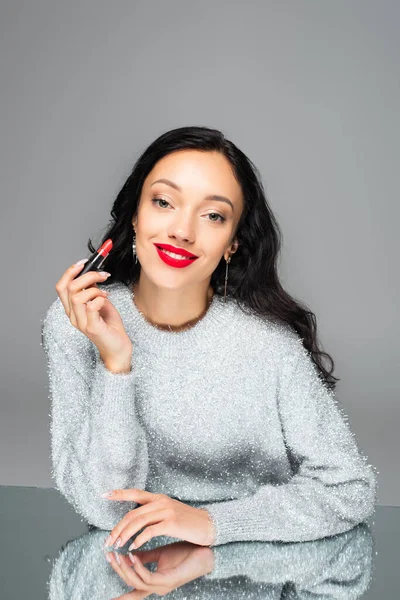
column 173, row 280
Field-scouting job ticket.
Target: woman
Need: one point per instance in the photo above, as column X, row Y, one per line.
column 195, row 390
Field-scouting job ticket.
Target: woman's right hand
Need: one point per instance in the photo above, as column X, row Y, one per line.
column 90, row 311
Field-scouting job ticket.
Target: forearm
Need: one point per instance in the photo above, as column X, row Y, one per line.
column 301, row 510
column 97, row 441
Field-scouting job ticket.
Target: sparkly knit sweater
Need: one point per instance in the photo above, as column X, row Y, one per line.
column 229, row 416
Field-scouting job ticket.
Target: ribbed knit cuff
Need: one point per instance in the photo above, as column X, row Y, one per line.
column 115, row 390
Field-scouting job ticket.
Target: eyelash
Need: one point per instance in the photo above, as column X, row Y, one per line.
column 222, row 219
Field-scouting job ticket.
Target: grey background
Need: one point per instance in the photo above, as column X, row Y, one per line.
column 309, row 90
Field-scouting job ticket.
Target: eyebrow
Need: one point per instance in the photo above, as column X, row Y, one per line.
column 210, row 197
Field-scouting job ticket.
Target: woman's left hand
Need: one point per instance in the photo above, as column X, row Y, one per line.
column 160, row 515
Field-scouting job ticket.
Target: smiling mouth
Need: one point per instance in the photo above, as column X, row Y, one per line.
column 181, row 255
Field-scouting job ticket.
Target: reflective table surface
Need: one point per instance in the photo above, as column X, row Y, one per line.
column 48, row 551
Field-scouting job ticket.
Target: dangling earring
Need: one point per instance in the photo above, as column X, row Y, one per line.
column 226, row 276
column 134, row 248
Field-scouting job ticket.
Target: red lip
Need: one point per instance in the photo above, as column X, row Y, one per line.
column 176, row 250
column 178, row 263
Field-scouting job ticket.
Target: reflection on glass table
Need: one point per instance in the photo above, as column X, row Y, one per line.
column 49, row 552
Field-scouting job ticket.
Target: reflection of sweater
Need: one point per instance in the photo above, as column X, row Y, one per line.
column 229, row 415
column 337, row 567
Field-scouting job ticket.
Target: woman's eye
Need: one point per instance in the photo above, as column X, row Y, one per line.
column 220, row 217
column 154, row 200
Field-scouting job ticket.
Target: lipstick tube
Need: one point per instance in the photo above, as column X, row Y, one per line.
column 97, row 259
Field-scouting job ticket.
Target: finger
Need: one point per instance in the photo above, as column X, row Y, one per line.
column 147, row 556
column 157, row 582
column 133, row 494
column 140, row 569
column 111, row 557
column 129, row 574
column 120, row 527
column 124, row 568
column 138, row 595
column 88, row 280
column 129, row 495
column 81, row 282
column 62, row 283
column 127, row 529
column 93, row 318
column 80, row 307
column 160, row 527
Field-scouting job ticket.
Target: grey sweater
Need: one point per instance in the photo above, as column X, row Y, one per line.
column 229, row 416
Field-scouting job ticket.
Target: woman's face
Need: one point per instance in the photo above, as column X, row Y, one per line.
column 186, row 218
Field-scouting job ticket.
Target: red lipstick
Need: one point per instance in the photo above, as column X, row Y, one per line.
column 97, row 259
column 176, row 250
column 175, row 262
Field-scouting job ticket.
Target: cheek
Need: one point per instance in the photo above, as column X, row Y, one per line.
column 215, row 246
column 213, row 256
column 151, row 226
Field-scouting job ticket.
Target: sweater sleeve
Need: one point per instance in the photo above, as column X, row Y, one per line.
column 331, row 487
column 97, row 442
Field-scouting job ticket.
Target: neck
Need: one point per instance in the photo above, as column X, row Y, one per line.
column 172, row 310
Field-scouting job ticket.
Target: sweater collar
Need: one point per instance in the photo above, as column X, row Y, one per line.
column 150, row 337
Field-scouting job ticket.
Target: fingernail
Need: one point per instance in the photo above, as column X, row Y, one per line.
column 106, row 494
column 133, row 558
column 104, row 274
column 108, row 557
column 117, row 558
column 81, row 262
column 117, row 543
column 108, row 541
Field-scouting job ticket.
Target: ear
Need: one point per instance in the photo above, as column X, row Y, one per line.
column 234, row 246
column 134, row 222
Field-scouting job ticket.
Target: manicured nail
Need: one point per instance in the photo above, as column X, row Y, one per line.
column 108, row 557
column 81, row 262
column 106, row 494
column 108, row 541
column 117, row 558
column 104, row 274
column 133, row 558
column 117, row 543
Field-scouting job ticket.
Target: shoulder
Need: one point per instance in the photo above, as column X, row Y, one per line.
column 58, row 331
column 265, row 333
column 278, row 349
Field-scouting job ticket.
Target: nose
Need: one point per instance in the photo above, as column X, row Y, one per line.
column 182, row 230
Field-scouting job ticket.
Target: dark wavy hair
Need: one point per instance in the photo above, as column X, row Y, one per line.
column 253, row 278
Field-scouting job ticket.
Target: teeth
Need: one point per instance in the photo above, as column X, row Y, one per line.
column 178, row 256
